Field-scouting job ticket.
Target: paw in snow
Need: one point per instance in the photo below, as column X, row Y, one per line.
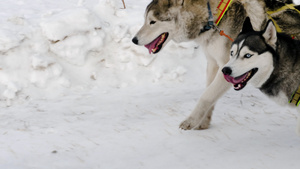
column 195, row 124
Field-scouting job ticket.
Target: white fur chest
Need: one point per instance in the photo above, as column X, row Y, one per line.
column 281, row 99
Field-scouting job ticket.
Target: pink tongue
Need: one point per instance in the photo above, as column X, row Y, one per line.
column 152, row 45
column 235, row 80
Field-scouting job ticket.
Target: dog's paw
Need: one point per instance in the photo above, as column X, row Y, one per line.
column 187, row 124
column 193, row 124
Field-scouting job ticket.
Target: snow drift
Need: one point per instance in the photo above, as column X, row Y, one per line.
column 76, row 93
column 83, row 45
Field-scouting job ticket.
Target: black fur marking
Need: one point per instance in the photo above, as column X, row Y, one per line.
column 247, row 26
column 276, row 4
column 286, row 74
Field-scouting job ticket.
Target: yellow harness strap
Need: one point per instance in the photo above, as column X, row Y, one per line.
column 221, row 10
column 287, row 6
column 278, row 29
column 224, row 4
column 296, row 97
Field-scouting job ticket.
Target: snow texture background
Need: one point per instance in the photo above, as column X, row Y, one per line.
column 76, row 93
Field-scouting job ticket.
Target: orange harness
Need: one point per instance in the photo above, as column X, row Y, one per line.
column 221, row 10
column 223, row 7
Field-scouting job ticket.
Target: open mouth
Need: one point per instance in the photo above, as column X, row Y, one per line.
column 241, row 81
column 156, row 45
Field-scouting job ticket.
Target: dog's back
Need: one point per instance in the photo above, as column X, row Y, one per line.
column 285, row 15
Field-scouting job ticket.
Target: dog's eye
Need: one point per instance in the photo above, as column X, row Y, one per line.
column 152, row 22
column 231, row 53
column 247, row 55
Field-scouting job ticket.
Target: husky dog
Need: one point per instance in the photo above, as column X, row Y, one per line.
column 185, row 20
column 268, row 60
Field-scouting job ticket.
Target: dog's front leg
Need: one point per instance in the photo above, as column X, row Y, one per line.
column 211, row 71
column 201, row 115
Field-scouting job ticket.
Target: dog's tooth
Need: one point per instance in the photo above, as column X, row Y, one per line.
column 160, row 42
column 238, row 86
column 161, row 39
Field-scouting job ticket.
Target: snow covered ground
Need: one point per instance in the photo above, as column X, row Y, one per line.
column 76, row 93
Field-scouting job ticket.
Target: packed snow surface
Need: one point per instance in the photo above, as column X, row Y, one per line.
column 76, row 93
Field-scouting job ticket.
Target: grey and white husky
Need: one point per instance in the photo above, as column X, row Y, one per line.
column 268, row 60
column 185, row 20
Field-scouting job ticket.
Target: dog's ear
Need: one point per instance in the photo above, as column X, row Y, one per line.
column 247, row 26
column 270, row 34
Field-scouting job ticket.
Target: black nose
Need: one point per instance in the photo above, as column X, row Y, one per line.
column 227, row 71
column 135, row 40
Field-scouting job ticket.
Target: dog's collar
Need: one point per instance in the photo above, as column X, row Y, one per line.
column 221, row 10
column 285, row 7
column 210, row 23
column 295, row 99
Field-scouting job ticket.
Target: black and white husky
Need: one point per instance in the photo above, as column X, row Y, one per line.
column 268, row 60
column 185, row 20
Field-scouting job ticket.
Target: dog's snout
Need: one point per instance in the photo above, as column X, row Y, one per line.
column 227, row 71
column 135, row 40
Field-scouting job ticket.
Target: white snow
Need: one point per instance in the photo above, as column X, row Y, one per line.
column 76, row 93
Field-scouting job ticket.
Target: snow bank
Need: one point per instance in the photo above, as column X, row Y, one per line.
column 85, row 45
column 115, row 106
column 49, row 48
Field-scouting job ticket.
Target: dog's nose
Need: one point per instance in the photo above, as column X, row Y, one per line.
column 227, row 71
column 135, row 40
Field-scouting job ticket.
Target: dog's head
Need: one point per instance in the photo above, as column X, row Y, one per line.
column 166, row 20
column 252, row 56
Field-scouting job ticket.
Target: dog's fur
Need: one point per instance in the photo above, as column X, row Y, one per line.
column 268, row 60
column 183, row 21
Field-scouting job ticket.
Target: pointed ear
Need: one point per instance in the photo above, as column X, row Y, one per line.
column 270, row 34
column 247, row 26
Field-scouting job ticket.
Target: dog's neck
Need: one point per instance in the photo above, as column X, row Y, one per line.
column 285, row 77
column 237, row 9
